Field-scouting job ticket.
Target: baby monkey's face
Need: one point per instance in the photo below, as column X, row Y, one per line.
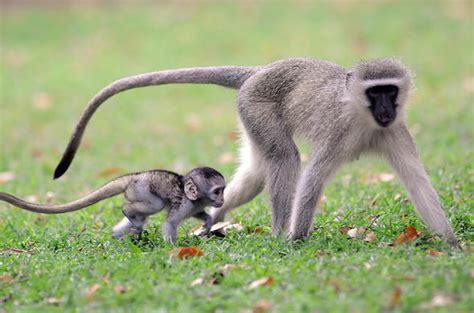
column 216, row 195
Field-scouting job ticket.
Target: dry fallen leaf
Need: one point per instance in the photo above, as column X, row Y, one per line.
column 370, row 237
column 5, row 278
column 468, row 84
column 262, row 306
column 109, row 171
column 193, row 122
column 220, row 227
column 49, row 197
column 54, row 301
column 433, row 252
column 440, row 300
column 266, row 281
column 6, row 177
column 32, row 198
column 233, row 135
column 356, row 232
column 395, row 298
column 90, row 292
column 119, row 289
column 41, row 101
column 377, row 178
column 408, row 234
column 345, row 229
column 197, row 281
column 186, row 252
column 226, row 158
column 257, row 230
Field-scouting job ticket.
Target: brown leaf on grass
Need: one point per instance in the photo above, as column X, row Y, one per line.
column 54, row 301
column 370, row 237
column 41, row 101
column 266, row 281
column 6, row 177
column 344, row 229
column 228, row 267
column 49, row 197
column 197, row 281
column 5, row 278
column 119, row 289
column 90, row 292
column 377, row 178
column 193, row 122
column 32, row 198
column 225, row 226
column 395, row 297
column 407, row 235
column 225, row 158
column 220, row 227
column 433, row 252
column 468, row 84
column 186, row 252
column 233, row 135
column 257, row 230
column 109, row 171
column 441, row 300
column 262, row 306
column 356, row 232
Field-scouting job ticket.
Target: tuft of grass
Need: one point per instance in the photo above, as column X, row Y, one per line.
column 54, row 60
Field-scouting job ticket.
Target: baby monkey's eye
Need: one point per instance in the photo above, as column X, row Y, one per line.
column 217, row 191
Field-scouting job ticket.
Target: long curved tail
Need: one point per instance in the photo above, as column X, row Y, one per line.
column 227, row 76
column 110, row 189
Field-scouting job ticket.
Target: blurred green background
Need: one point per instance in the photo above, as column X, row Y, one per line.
column 56, row 55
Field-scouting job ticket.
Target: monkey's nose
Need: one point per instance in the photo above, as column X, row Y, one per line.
column 384, row 119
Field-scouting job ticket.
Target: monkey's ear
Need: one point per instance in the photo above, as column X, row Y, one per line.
column 190, row 190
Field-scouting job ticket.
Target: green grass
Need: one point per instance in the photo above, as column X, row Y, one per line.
column 69, row 54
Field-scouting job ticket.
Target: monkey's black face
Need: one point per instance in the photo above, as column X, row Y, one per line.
column 383, row 104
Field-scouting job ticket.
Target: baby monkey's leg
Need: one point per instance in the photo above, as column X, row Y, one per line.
column 137, row 213
column 206, row 228
column 124, row 226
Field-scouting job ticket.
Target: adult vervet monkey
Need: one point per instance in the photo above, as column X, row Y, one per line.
column 341, row 112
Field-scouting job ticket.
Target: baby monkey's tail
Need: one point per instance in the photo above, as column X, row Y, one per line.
column 110, row 189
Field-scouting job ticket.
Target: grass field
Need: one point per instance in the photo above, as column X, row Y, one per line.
column 54, row 60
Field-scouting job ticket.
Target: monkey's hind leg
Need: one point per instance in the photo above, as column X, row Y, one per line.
column 247, row 183
column 280, row 153
column 137, row 213
column 122, row 227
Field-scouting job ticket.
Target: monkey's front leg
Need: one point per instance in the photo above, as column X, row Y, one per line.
column 177, row 213
column 206, row 228
column 309, row 191
column 400, row 151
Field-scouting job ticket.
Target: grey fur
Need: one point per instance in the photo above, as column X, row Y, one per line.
column 148, row 193
column 325, row 104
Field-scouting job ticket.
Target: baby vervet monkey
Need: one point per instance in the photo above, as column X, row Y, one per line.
column 147, row 193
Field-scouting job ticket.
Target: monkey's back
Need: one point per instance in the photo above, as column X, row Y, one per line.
column 166, row 185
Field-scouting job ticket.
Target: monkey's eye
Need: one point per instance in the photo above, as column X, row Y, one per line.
column 217, row 191
column 372, row 93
